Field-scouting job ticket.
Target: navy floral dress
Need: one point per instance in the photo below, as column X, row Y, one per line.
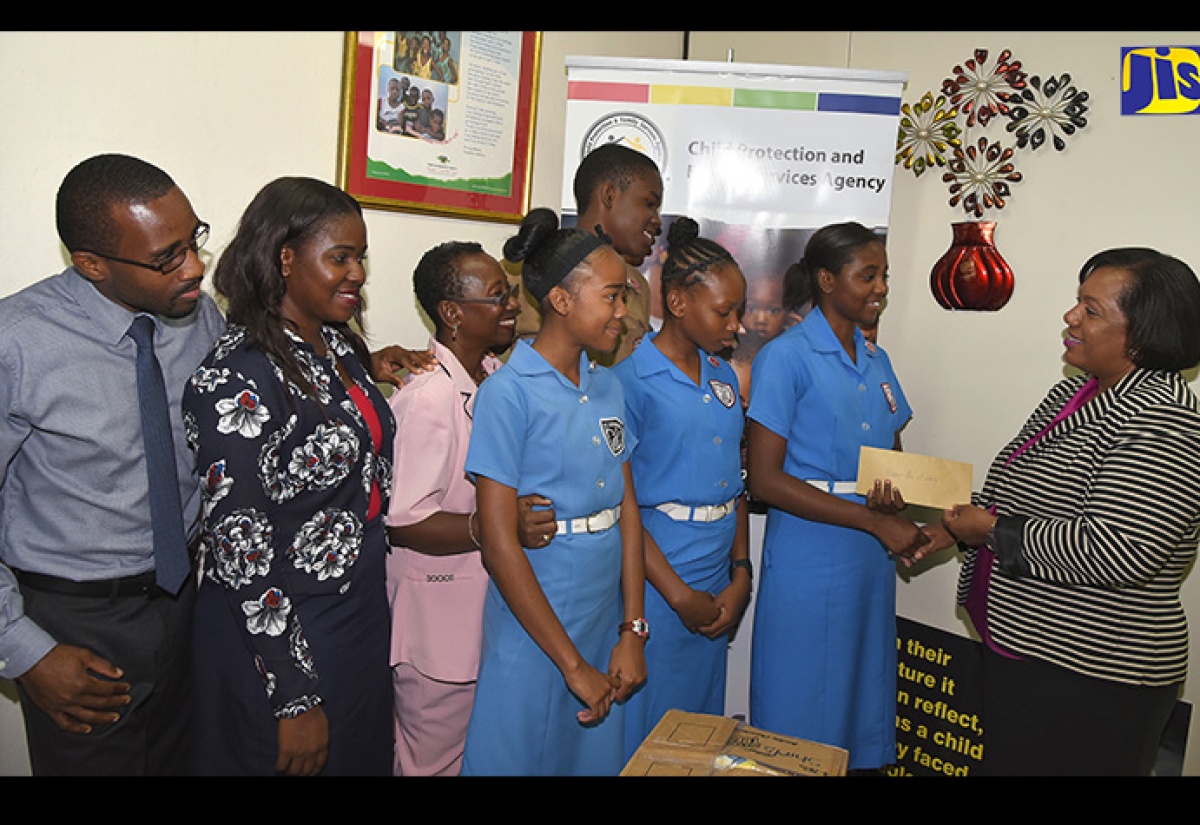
column 292, row 610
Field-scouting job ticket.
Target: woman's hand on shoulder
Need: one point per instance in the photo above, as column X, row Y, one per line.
column 393, row 359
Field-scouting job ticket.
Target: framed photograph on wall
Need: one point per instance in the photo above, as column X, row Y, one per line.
column 440, row 121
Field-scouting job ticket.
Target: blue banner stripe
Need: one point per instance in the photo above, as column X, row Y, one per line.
column 858, row 104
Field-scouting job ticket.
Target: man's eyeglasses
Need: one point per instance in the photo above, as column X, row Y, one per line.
column 495, row 300
column 199, row 237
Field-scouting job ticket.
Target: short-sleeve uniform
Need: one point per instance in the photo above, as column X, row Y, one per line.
column 689, row 438
column 823, row 658
column 537, row 432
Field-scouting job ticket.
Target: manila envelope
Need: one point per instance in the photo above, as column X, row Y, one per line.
column 922, row 480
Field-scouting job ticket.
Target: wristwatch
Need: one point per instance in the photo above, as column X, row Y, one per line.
column 736, row 563
column 638, row 627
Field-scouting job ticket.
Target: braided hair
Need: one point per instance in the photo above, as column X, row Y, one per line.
column 689, row 256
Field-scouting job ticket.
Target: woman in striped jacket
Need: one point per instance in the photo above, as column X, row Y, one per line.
column 1078, row 543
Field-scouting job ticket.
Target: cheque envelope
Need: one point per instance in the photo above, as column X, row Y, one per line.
column 923, row 480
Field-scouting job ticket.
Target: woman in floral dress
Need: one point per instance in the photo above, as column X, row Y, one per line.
column 294, row 443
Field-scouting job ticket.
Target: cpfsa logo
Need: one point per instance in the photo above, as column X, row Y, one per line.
column 1160, row 80
column 632, row 130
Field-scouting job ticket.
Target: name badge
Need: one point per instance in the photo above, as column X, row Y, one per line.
column 889, row 395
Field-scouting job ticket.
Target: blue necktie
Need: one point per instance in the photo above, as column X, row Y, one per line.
column 171, row 562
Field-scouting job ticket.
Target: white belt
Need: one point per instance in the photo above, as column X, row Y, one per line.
column 698, row 512
column 838, row 488
column 595, row 523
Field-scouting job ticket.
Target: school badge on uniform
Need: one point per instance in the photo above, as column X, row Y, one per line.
column 889, row 395
column 614, row 434
column 724, row 392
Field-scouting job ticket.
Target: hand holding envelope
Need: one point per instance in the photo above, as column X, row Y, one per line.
column 922, row 480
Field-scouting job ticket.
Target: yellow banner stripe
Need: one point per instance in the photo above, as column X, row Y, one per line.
column 691, row 95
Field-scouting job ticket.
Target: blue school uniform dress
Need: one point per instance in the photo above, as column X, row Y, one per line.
column 823, row 654
column 537, row 432
column 688, row 475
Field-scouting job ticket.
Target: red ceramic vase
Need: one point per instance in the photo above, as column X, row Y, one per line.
column 972, row 274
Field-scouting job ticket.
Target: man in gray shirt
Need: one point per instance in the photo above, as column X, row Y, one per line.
column 100, row 653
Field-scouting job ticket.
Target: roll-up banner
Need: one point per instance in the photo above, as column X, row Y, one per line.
column 760, row 155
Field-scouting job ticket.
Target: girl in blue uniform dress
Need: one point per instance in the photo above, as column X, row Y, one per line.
column 823, row 655
column 563, row 629
column 685, row 412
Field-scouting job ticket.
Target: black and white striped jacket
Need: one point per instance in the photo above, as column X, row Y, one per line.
column 1106, row 512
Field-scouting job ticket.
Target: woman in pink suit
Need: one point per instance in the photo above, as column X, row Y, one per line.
column 436, row 582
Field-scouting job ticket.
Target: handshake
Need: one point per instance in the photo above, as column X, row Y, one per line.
column 909, row 542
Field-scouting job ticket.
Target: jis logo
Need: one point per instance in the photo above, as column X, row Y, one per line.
column 1160, row 80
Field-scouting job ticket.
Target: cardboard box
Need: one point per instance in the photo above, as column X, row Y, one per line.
column 697, row 744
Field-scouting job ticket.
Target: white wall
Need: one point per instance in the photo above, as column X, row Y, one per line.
column 225, row 112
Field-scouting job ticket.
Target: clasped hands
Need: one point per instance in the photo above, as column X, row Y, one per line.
column 902, row 538
column 713, row 615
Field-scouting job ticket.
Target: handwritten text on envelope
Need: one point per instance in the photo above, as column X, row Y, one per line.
column 921, row 479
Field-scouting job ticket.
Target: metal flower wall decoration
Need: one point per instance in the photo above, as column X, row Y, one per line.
column 979, row 176
column 1052, row 108
column 927, row 130
column 980, row 169
column 978, row 93
column 982, row 92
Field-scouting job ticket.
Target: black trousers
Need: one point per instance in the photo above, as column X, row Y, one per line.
column 149, row 637
column 1044, row 720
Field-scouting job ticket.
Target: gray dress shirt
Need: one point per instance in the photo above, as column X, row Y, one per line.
column 73, row 490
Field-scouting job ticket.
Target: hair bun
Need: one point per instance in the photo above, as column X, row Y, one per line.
column 538, row 225
column 683, row 231
column 547, row 253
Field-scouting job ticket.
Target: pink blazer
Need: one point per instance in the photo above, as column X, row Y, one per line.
column 437, row 601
